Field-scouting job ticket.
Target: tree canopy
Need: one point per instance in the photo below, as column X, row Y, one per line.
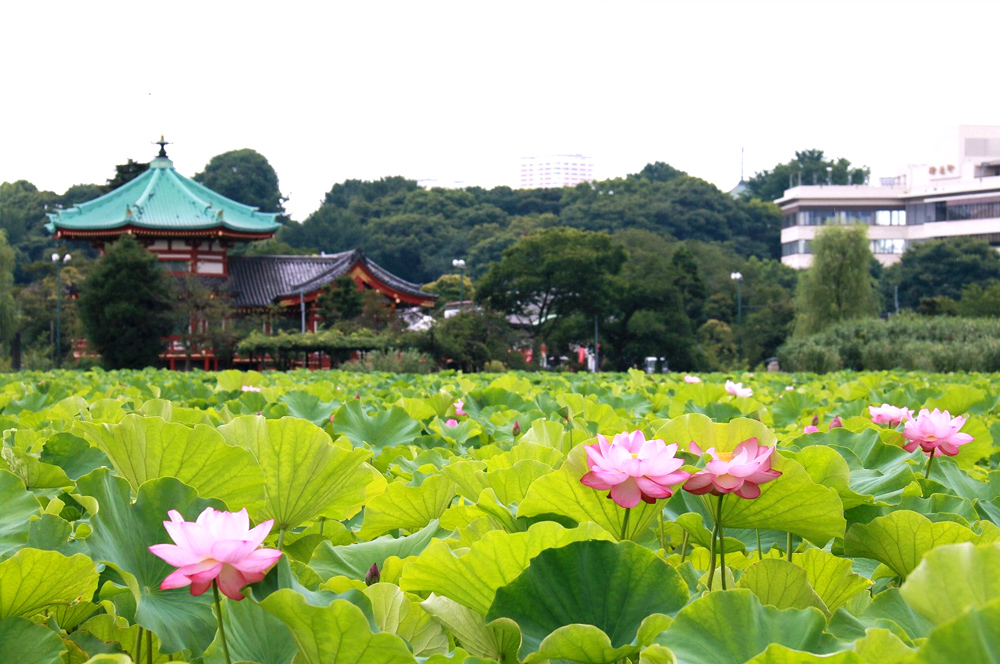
column 808, row 167
column 125, row 305
column 246, row 177
column 941, row 268
column 838, row 286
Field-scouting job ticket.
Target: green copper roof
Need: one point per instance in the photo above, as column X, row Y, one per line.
column 162, row 199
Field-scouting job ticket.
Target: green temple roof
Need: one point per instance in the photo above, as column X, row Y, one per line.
column 161, row 199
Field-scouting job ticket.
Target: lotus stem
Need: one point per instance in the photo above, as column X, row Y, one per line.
column 663, row 539
column 281, row 540
column 149, row 647
column 628, row 510
column 722, row 541
column 322, row 522
column 930, row 460
column 138, row 644
column 788, row 547
column 711, row 562
column 760, row 549
column 218, row 614
column 684, row 546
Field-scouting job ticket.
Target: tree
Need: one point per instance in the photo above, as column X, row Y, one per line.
column 470, row 339
column 201, row 313
column 8, row 306
column 125, row 304
column 449, row 288
column 555, row 272
column 246, row 177
column 658, row 172
column 341, row 301
column 978, row 301
column 124, row 173
column 807, row 168
column 838, row 285
column 941, row 267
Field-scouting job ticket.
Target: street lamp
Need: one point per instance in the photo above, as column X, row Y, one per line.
column 738, row 278
column 460, row 264
column 59, row 263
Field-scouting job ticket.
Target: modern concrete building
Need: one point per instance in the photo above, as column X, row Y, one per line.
column 929, row 201
column 557, row 170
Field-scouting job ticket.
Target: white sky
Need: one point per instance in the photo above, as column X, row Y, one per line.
column 460, row 90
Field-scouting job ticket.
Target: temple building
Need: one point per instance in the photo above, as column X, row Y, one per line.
column 191, row 230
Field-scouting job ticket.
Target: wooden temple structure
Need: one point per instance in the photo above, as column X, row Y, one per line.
column 191, row 229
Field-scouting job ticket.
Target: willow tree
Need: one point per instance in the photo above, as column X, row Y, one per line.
column 838, row 286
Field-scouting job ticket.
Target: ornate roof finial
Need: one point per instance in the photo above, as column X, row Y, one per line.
column 163, row 144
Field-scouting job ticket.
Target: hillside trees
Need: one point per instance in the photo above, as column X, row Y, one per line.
column 246, row 177
column 941, row 268
column 809, row 167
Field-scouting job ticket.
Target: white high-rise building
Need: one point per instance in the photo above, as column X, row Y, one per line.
column 555, row 170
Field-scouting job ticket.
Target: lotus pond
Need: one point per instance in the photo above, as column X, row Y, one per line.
column 376, row 518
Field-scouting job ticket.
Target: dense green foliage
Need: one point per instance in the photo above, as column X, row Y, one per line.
column 941, row 268
column 246, row 177
column 901, row 342
column 838, row 286
column 490, row 549
column 809, row 167
column 126, row 307
column 8, row 307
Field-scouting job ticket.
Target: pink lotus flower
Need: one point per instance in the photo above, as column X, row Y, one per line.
column 250, row 388
column 789, row 388
column 692, row 379
column 632, row 468
column 810, row 429
column 737, row 389
column 886, row 414
column 219, row 547
column 740, row 471
column 452, row 422
column 935, row 432
column 459, row 405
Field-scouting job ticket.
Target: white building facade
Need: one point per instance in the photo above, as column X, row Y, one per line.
column 929, row 201
column 557, row 170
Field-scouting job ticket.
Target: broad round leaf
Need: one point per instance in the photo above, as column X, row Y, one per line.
column 24, row 642
column 386, row 428
column 612, row 586
column 32, row 580
column 781, row 584
column 18, row 506
column 952, row 578
column 974, row 636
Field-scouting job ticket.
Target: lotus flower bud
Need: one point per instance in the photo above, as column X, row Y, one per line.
column 373, row 575
column 835, row 423
column 815, row 421
column 516, row 429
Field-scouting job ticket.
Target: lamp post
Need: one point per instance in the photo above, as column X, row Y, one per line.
column 460, row 264
column 738, row 278
column 59, row 263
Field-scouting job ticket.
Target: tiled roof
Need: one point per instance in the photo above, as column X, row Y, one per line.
column 162, row 199
column 257, row 281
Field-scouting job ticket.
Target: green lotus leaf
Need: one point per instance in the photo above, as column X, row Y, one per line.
column 34, row 473
column 407, row 507
column 398, row 614
column 561, row 492
column 253, row 635
column 32, row 580
column 793, row 503
column 656, row 654
column 308, row 406
column 900, row 539
column 123, row 533
column 499, row 640
column 334, row 634
column 981, row 446
column 73, row 454
column 19, row 505
column 305, row 475
column 957, row 399
column 781, row 584
column 553, row 435
column 724, row 437
column 973, row 636
column 68, row 616
column 827, row 468
column 510, row 483
column 558, row 586
column 525, row 451
column 584, row 644
column 472, row 577
column 386, row 428
column 881, row 646
column 51, row 533
column 111, row 629
column 24, row 642
column 354, row 560
column 232, row 380
column 733, row 626
column 779, row 654
column 171, row 412
column 145, row 448
column 889, row 610
column 831, row 577
column 951, row 578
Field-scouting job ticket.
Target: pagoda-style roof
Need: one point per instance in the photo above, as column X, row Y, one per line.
column 258, row 281
column 162, row 203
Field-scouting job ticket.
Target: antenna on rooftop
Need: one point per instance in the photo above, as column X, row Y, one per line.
column 741, row 163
